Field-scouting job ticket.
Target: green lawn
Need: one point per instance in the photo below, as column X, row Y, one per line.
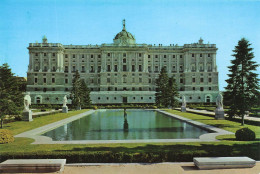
column 130, row 152
column 22, row 126
column 223, row 124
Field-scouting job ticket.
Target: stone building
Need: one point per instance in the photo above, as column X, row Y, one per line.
column 121, row 72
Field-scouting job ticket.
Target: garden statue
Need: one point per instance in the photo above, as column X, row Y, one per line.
column 219, row 101
column 65, row 107
column 219, row 112
column 65, row 101
column 27, row 113
column 27, row 101
column 183, row 106
column 183, row 101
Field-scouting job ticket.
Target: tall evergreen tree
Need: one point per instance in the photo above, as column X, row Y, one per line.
column 11, row 93
column 242, row 89
column 80, row 93
column 172, row 93
column 85, row 96
column 161, row 94
column 76, row 91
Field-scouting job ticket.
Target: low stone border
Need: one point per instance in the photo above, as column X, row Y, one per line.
column 39, row 139
column 204, row 137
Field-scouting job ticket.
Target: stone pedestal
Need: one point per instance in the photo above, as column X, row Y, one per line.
column 65, row 109
column 183, row 109
column 219, row 114
column 27, row 116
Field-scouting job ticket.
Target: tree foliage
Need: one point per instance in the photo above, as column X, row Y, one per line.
column 166, row 90
column 11, row 93
column 80, row 92
column 242, row 89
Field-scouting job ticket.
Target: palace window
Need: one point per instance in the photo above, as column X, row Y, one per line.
column 173, row 56
column 91, row 56
column 210, row 80
column 201, row 80
column 73, row 56
column 193, row 88
column 164, row 56
column 115, row 68
column 140, row 80
column 82, row 55
column 124, row 60
column 108, row 68
column 124, row 67
column 53, row 80
column 208, row 55
column 108, row 54
column 200, row 55
column 133, row 68
column 180, row 56
column 66, row 81
column 124, row 54
column 140, row 68
column 53, row 54
column 149, row 56
column 140, row 54
column 35, row 80
column 156, row 56
column 192, row 55
column 193, row 80
column 44, row 80
column 201, row 89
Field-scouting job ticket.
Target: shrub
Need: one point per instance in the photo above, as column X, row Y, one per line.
column 95, row 107
column 6, row 136
column 245, row 134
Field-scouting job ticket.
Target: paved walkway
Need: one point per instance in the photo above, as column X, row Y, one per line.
column 46, row 112
column 213, row 113
column 159, row 168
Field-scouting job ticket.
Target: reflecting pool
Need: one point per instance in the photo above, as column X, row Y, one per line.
column 132, row 125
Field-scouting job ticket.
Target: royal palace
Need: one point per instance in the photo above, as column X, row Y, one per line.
column 122, row 71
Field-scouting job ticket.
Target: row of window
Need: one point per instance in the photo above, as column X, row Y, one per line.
column 134, row 98
column 124, row 55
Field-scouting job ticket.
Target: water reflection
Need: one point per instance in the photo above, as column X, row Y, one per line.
column 122, row 124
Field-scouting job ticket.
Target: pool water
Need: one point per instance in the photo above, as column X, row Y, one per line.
column 114, row 125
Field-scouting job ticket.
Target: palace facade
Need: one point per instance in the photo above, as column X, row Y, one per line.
column 121, row 72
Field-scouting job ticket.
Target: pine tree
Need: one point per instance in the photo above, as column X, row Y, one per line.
column 11, row 93
column 76, row 91
column 162, row 89
column 172, row 93
column 242, row 89
column 80, row 93
column 85, row 94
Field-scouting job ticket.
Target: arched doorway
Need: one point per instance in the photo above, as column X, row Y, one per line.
column 208, row 98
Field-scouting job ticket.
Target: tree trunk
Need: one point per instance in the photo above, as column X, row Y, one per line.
column 242, row 123
column 1, row 123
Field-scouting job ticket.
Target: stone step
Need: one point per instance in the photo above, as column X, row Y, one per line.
column 223, row 162
column 32, row 165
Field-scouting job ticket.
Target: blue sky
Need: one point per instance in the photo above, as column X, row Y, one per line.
column 83, row 22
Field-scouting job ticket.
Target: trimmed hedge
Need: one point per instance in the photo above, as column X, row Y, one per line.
column 6, row 136
column 130, row 157
column 245, row 134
